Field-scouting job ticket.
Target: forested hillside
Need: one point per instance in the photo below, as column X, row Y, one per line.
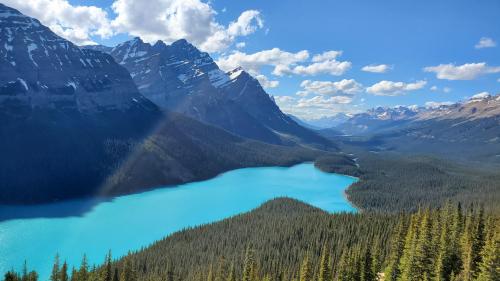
column 392, row 182
column 286, row 240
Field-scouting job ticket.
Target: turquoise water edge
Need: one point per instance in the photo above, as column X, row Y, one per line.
column 133, row 221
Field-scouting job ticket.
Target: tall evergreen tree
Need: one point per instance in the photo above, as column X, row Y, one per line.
column 489, row 267
column 325, row 270
column 106, row 273
column 249, row 266
column 406, row 265
column 128, row 272
column 83, row 271
column 63, row 273
column 392, row 271
column 306, row 270
column 55, row 275
column 367, row 273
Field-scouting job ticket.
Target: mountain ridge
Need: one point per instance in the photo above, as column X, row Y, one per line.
column 179, row 77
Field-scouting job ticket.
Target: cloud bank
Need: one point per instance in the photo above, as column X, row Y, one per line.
column 170, row 20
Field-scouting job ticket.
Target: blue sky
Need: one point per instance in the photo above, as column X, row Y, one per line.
column 405, row 36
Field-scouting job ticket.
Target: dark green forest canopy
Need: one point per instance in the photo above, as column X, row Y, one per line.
column 395, row 182
column 287, row 240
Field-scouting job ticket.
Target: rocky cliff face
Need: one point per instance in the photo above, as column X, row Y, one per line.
column 179, row 77
column 40, row 70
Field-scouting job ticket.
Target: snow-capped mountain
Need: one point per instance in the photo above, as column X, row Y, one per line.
column 179, row 77
column 467, row 130
column 377, row 119
column 39, row 69
column 329, row 121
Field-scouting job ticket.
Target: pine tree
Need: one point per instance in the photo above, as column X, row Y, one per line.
column 306, row 270
column 170, row 273
column 406, row 265
column 63, row 273
column 249, row 266
column 392, row 272
column 83, row 271
column 466, row 242
column 55, row 276
column 489, row 268
column 106, row 274
column 478, row 243
column 422, row 259
column 210, row 275
column 366, row 272
column 116, row 275
column 324, row 271
column 231, row 276
column 11, row 276
column 33, row 276
column 24, row 276
column 128, row 273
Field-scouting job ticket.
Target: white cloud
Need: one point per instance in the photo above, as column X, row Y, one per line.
column 284, row 62
column 468, row 71
column 485, row 42
column 480, row 96
column 390, row 88
column 254, row 62
column 248, row 22
column 332, row 67
column 75, row 23
column 168, row 20
column 436, row 88
column 328, row 55
column 434, row 104
column 192, row 20
column 266, row 83
column 240, row 45
column 379, row 68
column 314, row 107
column 342, row 87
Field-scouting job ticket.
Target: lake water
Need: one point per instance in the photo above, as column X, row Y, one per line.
column 132, row 221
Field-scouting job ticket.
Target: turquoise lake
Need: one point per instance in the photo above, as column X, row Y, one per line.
column 133, row 221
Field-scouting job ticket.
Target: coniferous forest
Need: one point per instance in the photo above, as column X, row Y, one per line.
column 286, row 240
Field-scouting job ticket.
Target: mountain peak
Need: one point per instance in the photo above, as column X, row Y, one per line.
column 4, row 9
column 181, row 42
column 44, row 70
column 159, row 45
column 235, row 73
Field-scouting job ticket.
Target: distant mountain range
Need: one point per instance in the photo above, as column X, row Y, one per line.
column 328, row 121
column 80, row 122
column 180, row 78
column 468, row 130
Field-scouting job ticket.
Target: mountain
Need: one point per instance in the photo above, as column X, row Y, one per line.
column 67, row 115
column 376, row 120
column 329, row 121
column 468, row 131
column 74, row 124
column 246, row 91
column 303, row 123
column 180, row 78
column 40, row 70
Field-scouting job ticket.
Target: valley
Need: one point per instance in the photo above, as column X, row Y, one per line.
column 157, row 141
